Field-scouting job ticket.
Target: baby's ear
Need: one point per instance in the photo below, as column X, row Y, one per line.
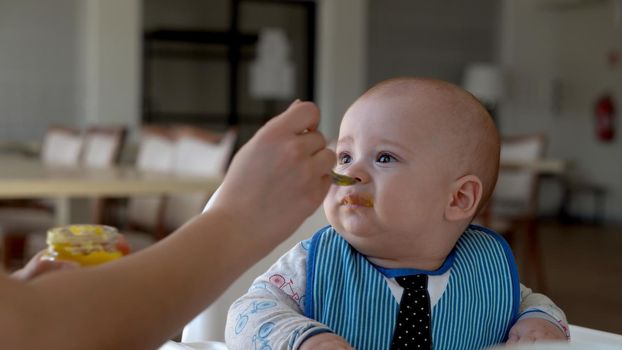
column 465, row 197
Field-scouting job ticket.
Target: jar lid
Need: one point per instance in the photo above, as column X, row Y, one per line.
column 81, row 234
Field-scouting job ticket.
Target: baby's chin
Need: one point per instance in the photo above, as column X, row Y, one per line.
column 357, row 238
column 365, row 245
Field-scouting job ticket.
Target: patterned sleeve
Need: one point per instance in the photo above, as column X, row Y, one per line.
column 540, row 306
column 270, row 315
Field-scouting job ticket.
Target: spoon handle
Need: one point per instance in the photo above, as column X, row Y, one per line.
column 342, row 180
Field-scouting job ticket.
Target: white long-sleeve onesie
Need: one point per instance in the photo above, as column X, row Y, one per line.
column 270, row 314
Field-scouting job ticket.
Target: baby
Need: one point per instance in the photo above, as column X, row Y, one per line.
column 400, row 266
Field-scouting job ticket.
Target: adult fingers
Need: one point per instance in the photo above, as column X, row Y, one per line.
column 324, row 160
column 123, row 245
column 311, row 142
column 299, row 117
column 65, row 264
column 45, row 266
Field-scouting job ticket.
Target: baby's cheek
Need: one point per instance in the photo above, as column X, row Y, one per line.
column 330, row 199
column 330, row 206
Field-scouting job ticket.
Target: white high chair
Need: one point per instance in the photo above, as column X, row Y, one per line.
column 210, row 324
column 206, row 330
column 582, row 339
column 594, row 339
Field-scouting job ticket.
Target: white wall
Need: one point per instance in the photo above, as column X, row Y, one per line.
column 68, row 62
column 77, row 62
column 110, row 57
column 38, row 59
column 539, row 46
column 429, row 38
column 342, row 59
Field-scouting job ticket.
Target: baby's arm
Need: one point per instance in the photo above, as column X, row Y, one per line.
column 539, row 319
column 271, row 312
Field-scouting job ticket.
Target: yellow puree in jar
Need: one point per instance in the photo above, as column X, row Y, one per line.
column 85, row 244
column 88, row 259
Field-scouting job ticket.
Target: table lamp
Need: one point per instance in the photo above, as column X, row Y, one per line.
column 272, row 73
column 485, row 81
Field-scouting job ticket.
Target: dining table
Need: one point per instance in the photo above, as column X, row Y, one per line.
column 29, row 178
column 23, row 177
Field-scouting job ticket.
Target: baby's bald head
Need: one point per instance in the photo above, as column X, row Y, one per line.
column 454, row 119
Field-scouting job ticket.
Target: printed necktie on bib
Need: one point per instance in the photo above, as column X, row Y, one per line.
column 413, row 326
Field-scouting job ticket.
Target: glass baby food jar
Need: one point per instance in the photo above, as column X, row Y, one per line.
column 85, row 244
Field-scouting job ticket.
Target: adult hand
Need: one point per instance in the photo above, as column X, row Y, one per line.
column 326, row 341
column 273, row 184
column 123, row 245
column 279, row 177
column 530, row 330
column 36, row 267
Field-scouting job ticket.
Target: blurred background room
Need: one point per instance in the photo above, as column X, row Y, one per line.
column 126, row 112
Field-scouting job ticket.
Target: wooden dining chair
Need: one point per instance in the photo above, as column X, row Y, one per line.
column 61, row 146
column 183, row 151
column 144, row 224
column 513, row 208
column 200, row 153
column 102, row 148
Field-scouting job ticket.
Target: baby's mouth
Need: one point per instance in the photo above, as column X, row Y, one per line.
column 358, row 200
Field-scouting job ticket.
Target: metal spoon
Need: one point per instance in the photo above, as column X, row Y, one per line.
column 342, row 180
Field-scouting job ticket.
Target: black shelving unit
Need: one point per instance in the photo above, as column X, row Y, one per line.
column 230, row 46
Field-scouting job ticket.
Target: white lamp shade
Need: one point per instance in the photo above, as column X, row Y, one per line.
column 271, row 81
column 484, row 81
column 271, row 73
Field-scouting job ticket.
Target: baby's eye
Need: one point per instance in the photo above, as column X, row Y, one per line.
column 344, row 158
column 385, row 158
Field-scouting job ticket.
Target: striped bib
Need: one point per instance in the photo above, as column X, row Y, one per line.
column 351, row 296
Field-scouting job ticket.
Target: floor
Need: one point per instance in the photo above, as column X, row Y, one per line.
column 583, row 269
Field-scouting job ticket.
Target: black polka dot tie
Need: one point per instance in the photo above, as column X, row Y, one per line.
column 413, row 327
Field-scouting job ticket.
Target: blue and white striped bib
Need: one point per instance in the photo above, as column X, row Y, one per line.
column 350, row 295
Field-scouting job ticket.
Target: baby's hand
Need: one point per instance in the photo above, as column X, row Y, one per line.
column 529, row 330
column 326, row 341
column 36, row 267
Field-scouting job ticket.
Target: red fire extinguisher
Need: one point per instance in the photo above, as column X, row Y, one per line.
column 605, row 112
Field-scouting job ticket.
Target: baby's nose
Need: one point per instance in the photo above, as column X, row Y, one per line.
column 358, row 173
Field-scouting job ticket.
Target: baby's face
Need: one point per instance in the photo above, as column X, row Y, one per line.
column 404, row 175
